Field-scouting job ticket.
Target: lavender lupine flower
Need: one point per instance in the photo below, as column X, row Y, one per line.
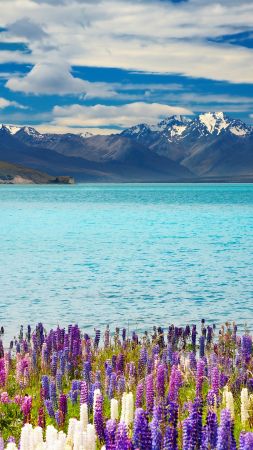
column 113, row 385
column 110, row 434
column 98, row 418
column 160, row 380
column 142, row 432
column 149, row 393
column 246, row 441
column 225, row 432
column 121, row 386
column 121, row 439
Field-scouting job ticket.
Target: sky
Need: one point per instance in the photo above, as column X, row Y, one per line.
column 104, row 65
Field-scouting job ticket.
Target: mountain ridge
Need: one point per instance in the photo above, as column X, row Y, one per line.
column 209, row 145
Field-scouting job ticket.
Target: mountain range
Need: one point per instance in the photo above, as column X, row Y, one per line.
column 209, row 147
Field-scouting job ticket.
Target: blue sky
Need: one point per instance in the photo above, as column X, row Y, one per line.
column 70, row 65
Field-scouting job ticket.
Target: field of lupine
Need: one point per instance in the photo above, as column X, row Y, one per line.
column 179, row 388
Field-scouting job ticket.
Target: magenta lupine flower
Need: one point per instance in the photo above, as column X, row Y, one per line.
column 142, row 432
column 226, row 439
column 41, row 418
column 98, row 418
column 110, row 434
column 149, row 393
column 83, row 392
column 122, row 440
column 200, row 376
column 160, row 380
column 139, row 395
column 63, row 405
column 26, row 407
column 4, row 397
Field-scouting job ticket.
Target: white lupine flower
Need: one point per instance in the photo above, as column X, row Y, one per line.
column 114, row 409
column 11, row 446
column 123, row 407
column 91, row 437
column 71, row 430
column 51, row 435
column 77, row 440
column 245, row 405
column 26, row 438
column 37, row 437
column 129, row 414
column 84, row 416
column 229, row 401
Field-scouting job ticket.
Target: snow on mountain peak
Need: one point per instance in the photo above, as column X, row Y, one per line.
column 12, row 129
column 214, row 122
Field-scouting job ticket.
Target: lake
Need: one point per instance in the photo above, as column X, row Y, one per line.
column 131, row 255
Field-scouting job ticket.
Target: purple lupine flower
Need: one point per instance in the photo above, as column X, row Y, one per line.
column 124, row 334
column 98, row 418
column 149, row 393
column 139, row 395
column 187, row 432
column 83, row 392
column 112, row 385
column 194, row 336
column 160, row 380
column 225, row 432
column 196, row 423
column 215, row 380
column 204, row 439
column 54, row 363
column 26, row 407
column 107, row 337
column 120, row 363
column 212, row 428
column 174, row 384
column 110, row 434
column 121, row 386
column 200, row 376
column 201, row 346
column 156, row 434
column 52, row 393
column 45, row 386
column 87, row 371
column 172, row 414
column 246, row 347
column 193, row 361
column 122, row 440
column 141, row 432
column 49, row 407
column 58, row 380
column 170, row 439
column 246, row 441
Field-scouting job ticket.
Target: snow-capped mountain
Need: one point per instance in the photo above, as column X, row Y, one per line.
column 209, row 145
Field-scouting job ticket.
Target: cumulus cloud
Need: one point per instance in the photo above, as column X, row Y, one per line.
column 119, row 116
column 4, row 103
column 54, row 79
column 153, row 36
column 27, row 29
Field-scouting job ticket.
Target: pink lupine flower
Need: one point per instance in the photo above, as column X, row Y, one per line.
column 4, row 397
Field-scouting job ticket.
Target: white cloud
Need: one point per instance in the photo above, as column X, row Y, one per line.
column 56, row 78
column 153, row 36
column 119, row 116
column 4, row 103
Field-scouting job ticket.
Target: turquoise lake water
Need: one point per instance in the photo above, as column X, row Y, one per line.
column 133, row 255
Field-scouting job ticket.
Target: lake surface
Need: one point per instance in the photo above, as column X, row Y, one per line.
column 132, row 254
